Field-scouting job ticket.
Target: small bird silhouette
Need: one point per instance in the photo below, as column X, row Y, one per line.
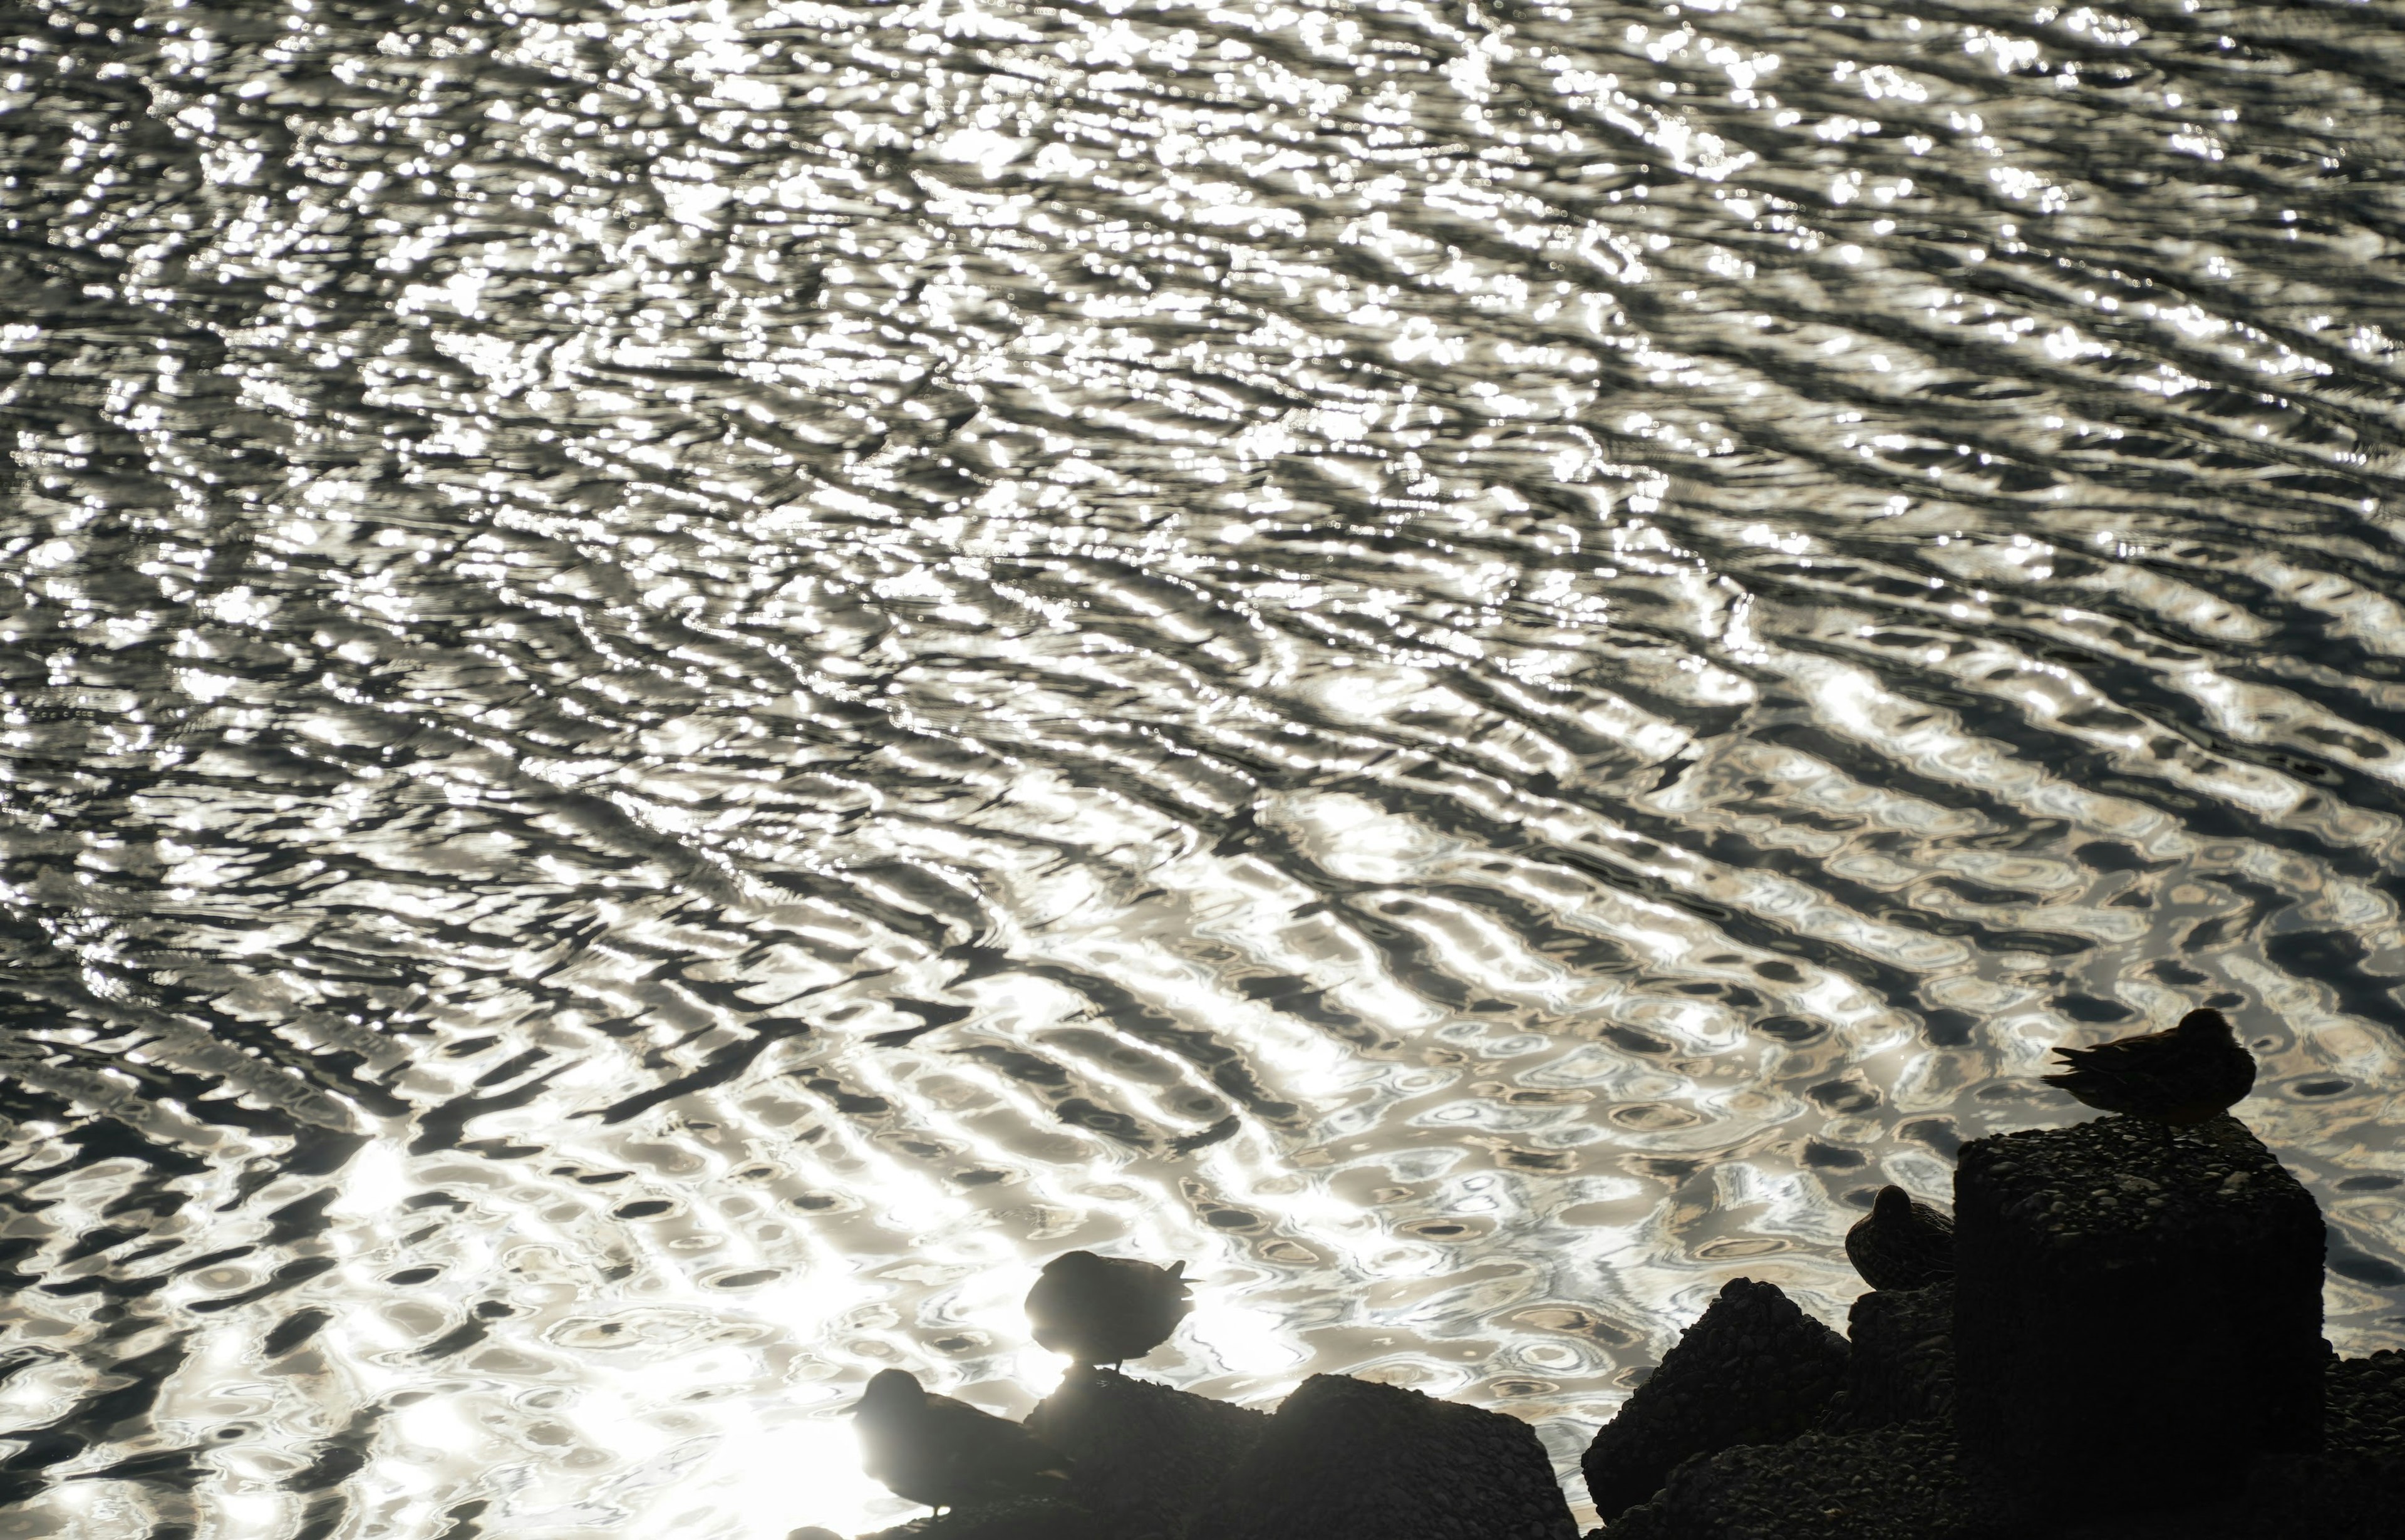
column 2185, row 1075
column 1106, row 1309
column 934, row 1449
column 1901, row 1243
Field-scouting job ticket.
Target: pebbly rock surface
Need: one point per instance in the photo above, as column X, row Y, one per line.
column 2137, row 1315
column 2364, row 1406
column 1024, row 1519
column 2284, row 1497
column 1900, row 1367
column 1345, row 1459
column 1145, row 1458
column 1754, row 1369
column 1896, row 1483
column 2354, row 1489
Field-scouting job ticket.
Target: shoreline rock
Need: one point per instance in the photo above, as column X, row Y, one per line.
column 1022, row 1518
column 2137, row 1315
column 2130, row 1350
column 1147, row 1459
column 1753, row 1369
column 1900, row 1366
column 1346, row 1459
column 1894, row 1483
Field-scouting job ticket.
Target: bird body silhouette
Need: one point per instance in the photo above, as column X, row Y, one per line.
column 934, row 1449
column 2185, row 1075
column 1901, row 1243
column 1106, row 1310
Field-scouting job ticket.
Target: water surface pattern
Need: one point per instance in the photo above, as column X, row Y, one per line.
column 686, row 682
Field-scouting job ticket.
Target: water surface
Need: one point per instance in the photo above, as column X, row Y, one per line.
column 686, row 682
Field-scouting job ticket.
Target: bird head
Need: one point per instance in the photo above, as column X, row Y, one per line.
column 1893, row 1204
column 1071, row 1264
column 889, row 1389
column 2206, row 1022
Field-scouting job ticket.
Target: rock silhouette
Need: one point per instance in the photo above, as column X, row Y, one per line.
column 1346, row 1459
column 2117, row 1337
column 2130, row 1286
column 1144, row 1459
column 1900, row 1365
column 1012, row 1518
column 1753, row 1370
column 1897, row 1483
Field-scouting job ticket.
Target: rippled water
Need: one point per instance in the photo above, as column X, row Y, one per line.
column 686, row 682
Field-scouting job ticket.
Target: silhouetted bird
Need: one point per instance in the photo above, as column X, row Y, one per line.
column 1901, row 1243
column 2185, row 1075
column 1106, row 1310
column 934, row 1449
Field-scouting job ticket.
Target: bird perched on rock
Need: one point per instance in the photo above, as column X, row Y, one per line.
column 934, row 1449
column 1901, row 1243
column 1106, row 1310
column 2185, row 1075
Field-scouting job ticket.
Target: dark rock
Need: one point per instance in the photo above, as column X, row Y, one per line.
column 1898, row 1483
column 2138, row 1312
column 1753, row 1370
column 1147, row 1459
column 2364, row 1406
column 1348, row 1459
column 2325, row 1496
column 1025, row 1519
column 2320, row 1496
column 1900, row 1366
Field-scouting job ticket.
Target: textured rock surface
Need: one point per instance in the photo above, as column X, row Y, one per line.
column 1753, row 1370
column 1147, row 1459
column 2285, row 1497
column 1898, row 1483
column 1900, row 1365
column 1348, row 1459
column 2363, row 1407
column 2138, row 1312
column 1028, row 1519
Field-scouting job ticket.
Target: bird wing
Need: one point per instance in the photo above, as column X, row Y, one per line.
column 2120, row 1053
column 982, row 1449
column 2107, row 1065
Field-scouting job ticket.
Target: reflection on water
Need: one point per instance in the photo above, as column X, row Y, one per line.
column 686, row 681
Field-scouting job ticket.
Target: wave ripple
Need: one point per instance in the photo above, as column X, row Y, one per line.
column 685, row 681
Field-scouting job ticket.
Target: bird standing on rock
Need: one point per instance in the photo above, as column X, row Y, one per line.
column 2185, row 1075
column 934, row 1449
column 1901, row 1243
column 1106, row 1309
